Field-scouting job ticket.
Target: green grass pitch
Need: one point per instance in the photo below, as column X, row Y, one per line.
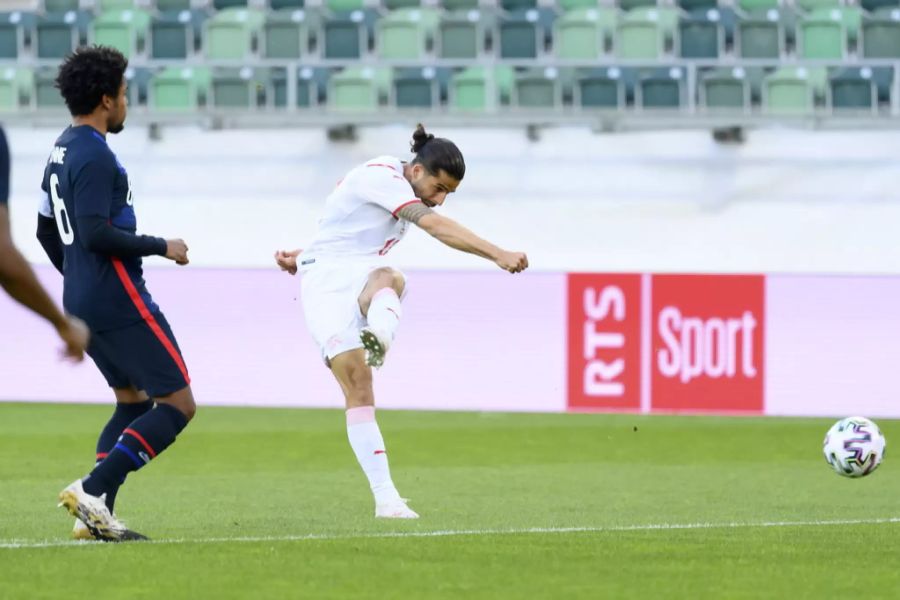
column 260, row 503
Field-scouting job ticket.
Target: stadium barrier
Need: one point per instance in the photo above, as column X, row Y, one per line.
column 550, row 342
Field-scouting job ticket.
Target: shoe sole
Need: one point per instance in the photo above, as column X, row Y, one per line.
column 97, row 529
column 374, row 349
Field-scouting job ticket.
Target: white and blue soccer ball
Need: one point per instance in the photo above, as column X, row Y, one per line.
column 854, row 447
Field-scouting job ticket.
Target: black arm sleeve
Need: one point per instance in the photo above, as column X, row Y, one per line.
column 4, row 169
column 48, row 236
column 99, row 236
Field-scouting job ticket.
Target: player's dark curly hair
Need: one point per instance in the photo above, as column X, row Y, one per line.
column 88, row 74
column 437, row 154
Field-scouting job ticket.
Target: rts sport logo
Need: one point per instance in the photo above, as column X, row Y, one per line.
column 707, row 350
column 604, row 328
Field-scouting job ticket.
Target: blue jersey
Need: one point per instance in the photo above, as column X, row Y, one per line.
column 83, row 178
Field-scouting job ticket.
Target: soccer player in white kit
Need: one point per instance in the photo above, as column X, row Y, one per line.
column 350, row 293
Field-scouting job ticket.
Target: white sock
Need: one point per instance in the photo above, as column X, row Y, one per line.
column 368, row 445
column 384, row 313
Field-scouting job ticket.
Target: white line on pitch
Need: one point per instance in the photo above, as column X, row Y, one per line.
column 24, row 544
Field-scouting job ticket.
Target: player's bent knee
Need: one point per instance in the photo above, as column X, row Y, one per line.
column 183, row 400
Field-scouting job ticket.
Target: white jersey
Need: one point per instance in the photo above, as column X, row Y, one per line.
column 360, row 216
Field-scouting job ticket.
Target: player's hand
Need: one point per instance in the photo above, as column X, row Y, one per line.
column 287, row 260
column 514, row 262
column 177, row 250
column 74, row 333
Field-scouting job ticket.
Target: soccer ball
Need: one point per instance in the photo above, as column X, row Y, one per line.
column 854, row 447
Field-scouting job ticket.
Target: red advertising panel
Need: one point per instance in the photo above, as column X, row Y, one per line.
column 604, row 342
column 707, row 343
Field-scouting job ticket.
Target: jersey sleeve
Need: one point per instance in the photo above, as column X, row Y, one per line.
column 45, row 205
column 388, row 189
column 4, row 169
column 92, row 186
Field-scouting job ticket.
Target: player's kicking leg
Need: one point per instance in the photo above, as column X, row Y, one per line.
column 355, row 378
column 380, row 303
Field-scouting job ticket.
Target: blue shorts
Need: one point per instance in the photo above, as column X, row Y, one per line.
column 144, row 356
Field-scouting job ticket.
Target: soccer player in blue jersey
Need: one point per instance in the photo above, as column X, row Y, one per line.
column 17, row 278
column 87, row 226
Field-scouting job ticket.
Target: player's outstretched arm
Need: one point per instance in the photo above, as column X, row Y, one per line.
column 97, row 235
column 456, row 236
column 18, row 279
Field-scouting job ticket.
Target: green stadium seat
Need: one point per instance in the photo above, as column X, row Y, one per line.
column 585, row 33
column 406, row 33
column 232, row 33
column 13, row 26
column 525, row 33
column 825, row 33
column 284, row 4
column 416, row 88
column 239, row 87
column 853, row 89
column 461, row 34
column 398, row 4
column 45, row 93
column 701, row 34
column 881, row 34
column 751, row 6
column 105, row 5
column 139, row 79
column 567, row 5
column 226, row 4
column 761, row 35
column 537, row 88
column 126, row 30
column 692, row 5
column 60, row 33
column 359, row 89
column 874, row 5
column 646, row 33
column 811, row 5
column 792, row 90
column 16, row 85
column 176, row 35
column 455, row 5
column 54, row 6
column 478, row 89
column 600, row 89
column 286, row 33
column 348, row 35
column 517, row 5
column 167, row 5
column 629, row 5
column 180, row 89
column 661, row 89
column 312, row 84
column 725, row 89
column 340, row 6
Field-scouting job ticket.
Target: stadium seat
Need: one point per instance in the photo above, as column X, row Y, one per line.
column 125, row 30
column 46, row 95
column 701, row 34
column 567, row 5
column 761, row 35
column 348, row 34
column 477, row 89
column 692, row 5
column 60, row 33
column 176, row 34
column 792, row 90
column 54, row 6
column 13, row 28
column 725, row 89
column 397, row 4
column 646, row 33
column 825, row 33
column 600, row 89
column 757, row 5
column 660, row 89
column 633, row 4
column 811, row 5
column 16, row 85
column 239, row 87
column 139, row 79
column 286, row 33
column 105, row 5
column 585, row 33
column 312, row 85
column 537, row 88
column 340, row 6
column 853, row 89
column 232, row 33
column 874, row 5
column 454, row 5
column 359, row 89
column 167, row 5
column 881, row 34
column 285, row 4
column 180, row 89
column 416, row 88
column 226, row 4
column 525, row 33
column 517, row 5
column 461, row 34
column 407, row 33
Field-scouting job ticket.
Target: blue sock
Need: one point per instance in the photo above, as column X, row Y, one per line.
column 139, row 443
column 120, row 419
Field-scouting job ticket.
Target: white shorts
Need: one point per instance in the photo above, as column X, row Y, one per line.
column 330, row 297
